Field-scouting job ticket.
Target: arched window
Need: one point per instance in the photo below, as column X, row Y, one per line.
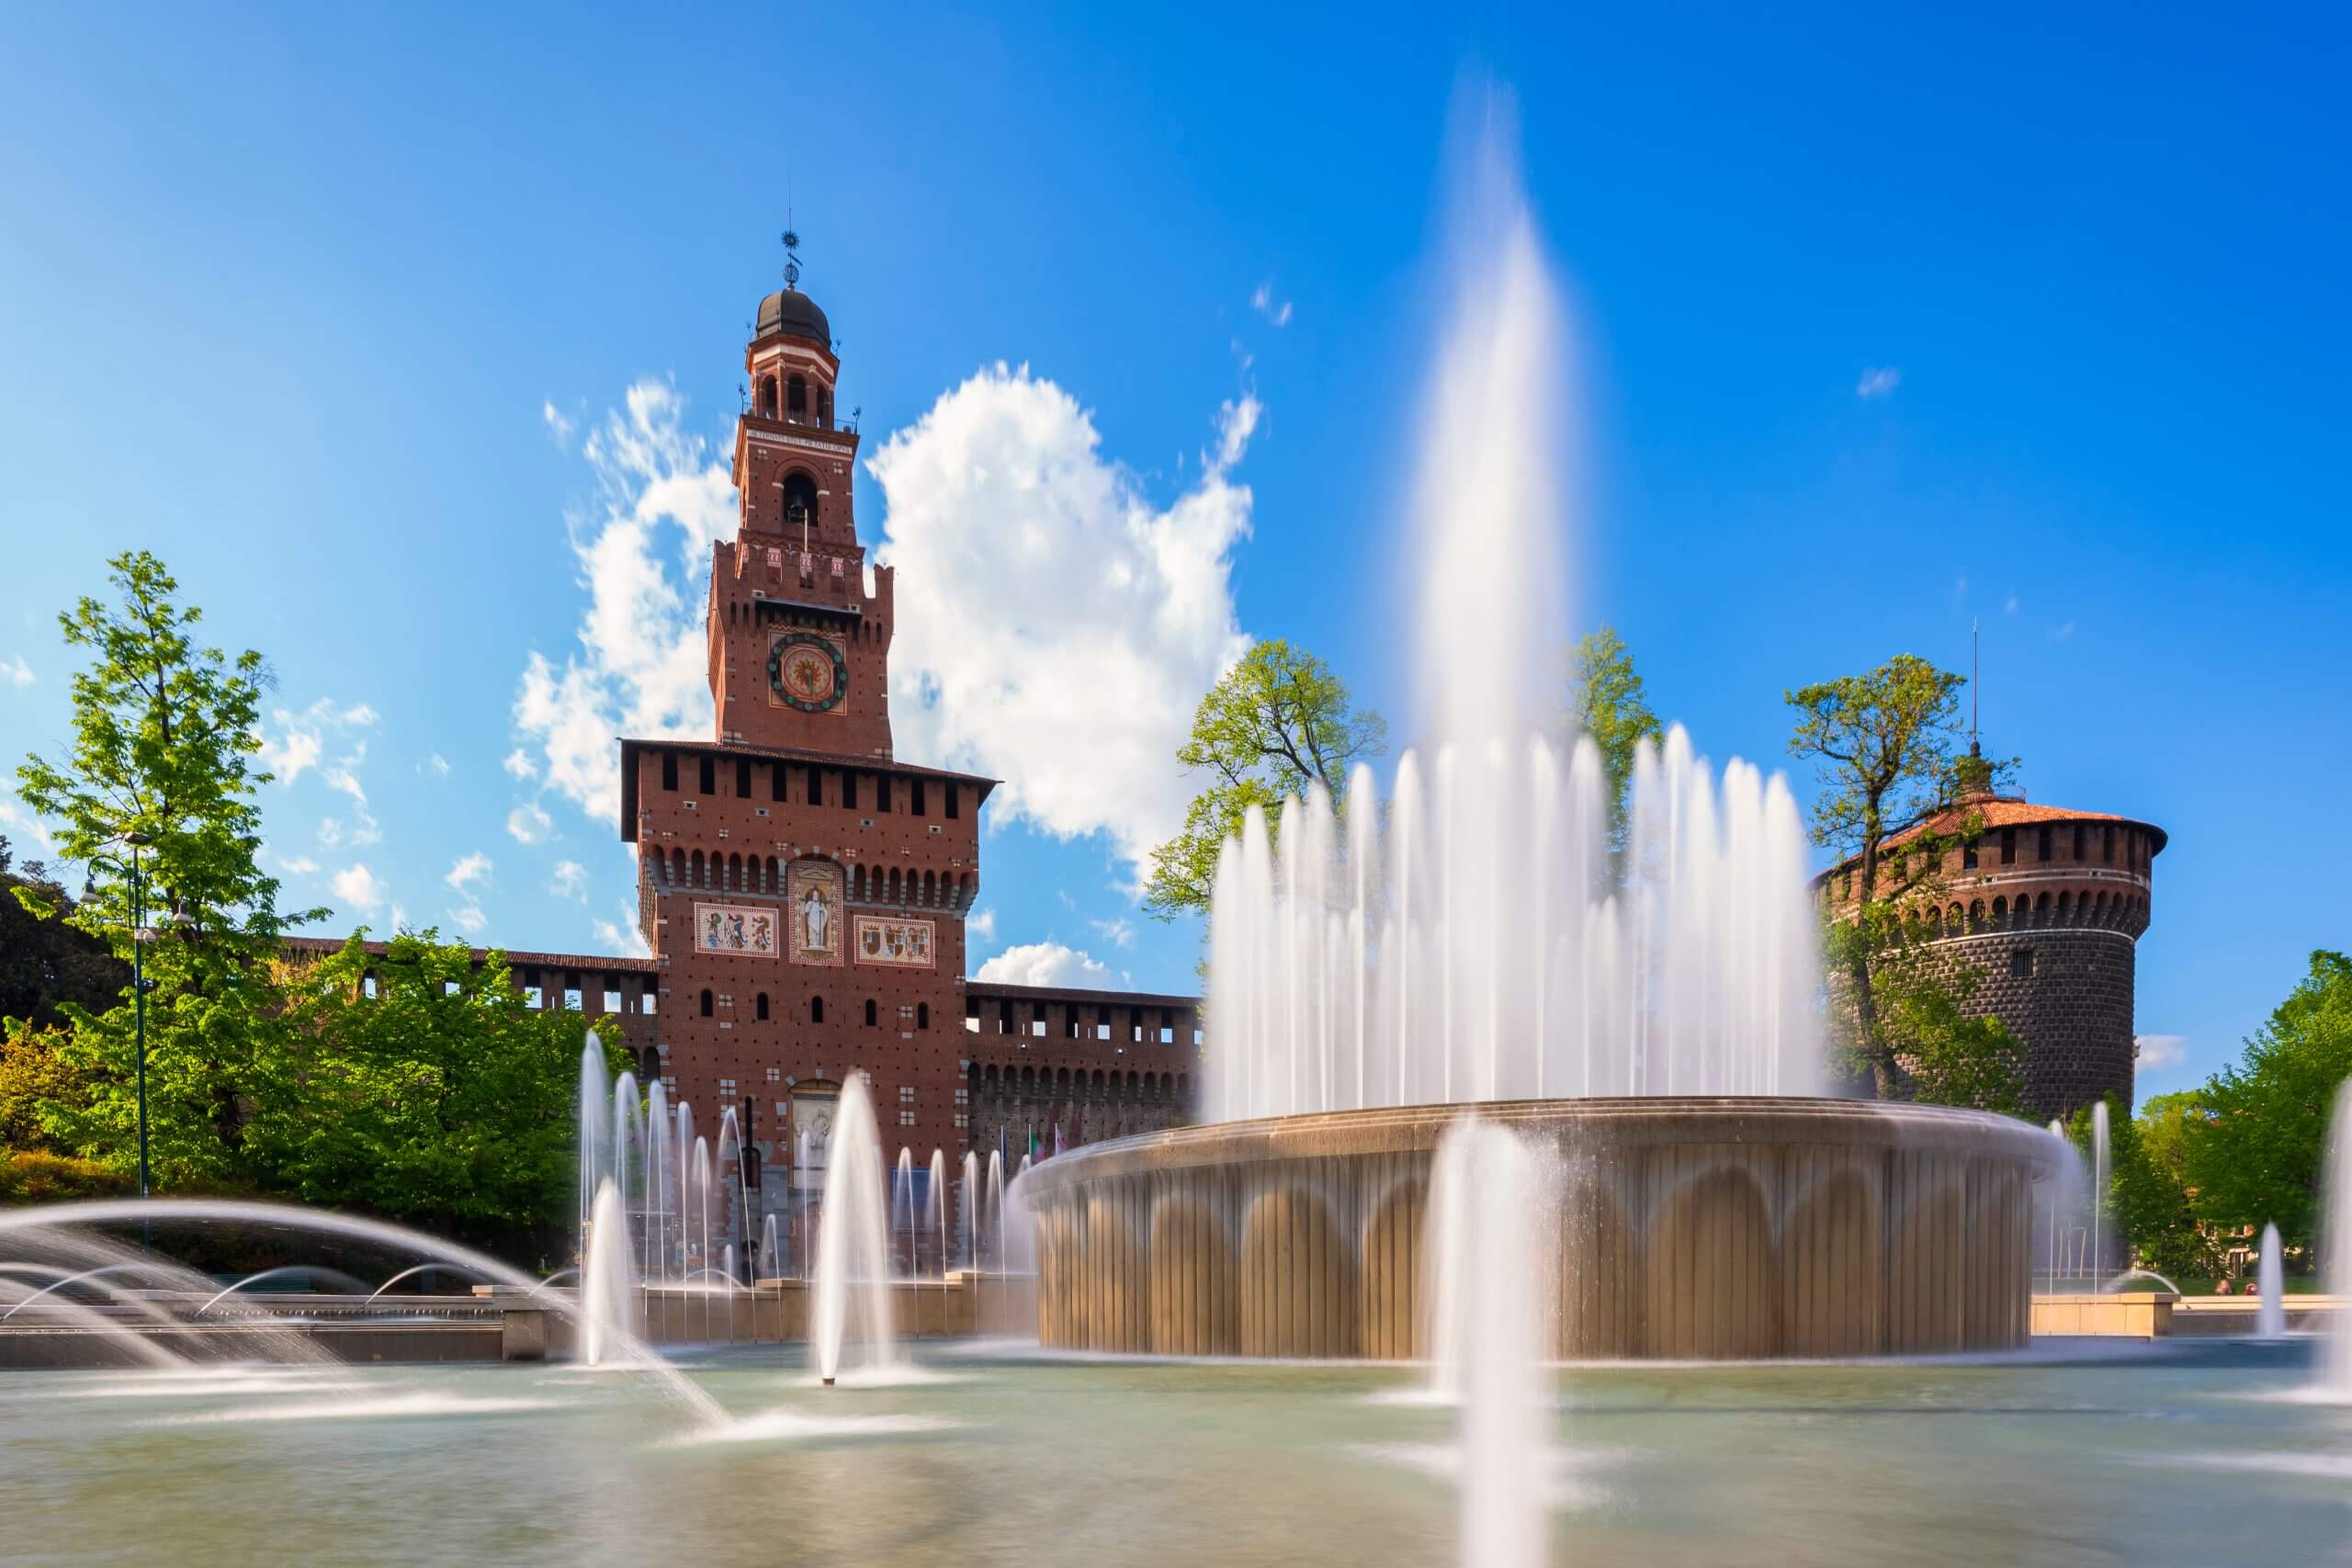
column 799, row 501
column 824, row 405
column 705, row 1001
column 767, row 395
column 873, row 1013
column 816, row 1010
column 923, row 1015
column 760, row 1007
column 796, row 398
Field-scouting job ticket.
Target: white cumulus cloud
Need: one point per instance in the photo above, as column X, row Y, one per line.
column 358, row 888
column 622, row 938
column 1048, row 964
column 518, row 762
column 469, row 920
column 471, row 869
column 644, row 550
column 1042, row 597
column 2160, row 1053
column 300, row 865
column 529, row 824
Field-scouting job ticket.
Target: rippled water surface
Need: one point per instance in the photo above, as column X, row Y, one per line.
column 2174, row 1454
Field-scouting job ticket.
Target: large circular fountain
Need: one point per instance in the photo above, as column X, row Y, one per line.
column 1679, row 1228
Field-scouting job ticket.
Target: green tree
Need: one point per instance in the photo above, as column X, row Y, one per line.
column 425, row 1089
column 2145, row 1204
column 35, row 1081
column 164, row 730
column 44, row 961
column 1883, row 744
column 1950, row 1056
column 1606, row 702
column 2166, row 1122
column 2256, row 1151
column 1277, row 722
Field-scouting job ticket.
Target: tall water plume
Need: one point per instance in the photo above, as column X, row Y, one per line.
column 660, row 1179
column 934, row 1204
column 1494, row 1308
column 2270, row 1317
column 2101, row 1197
column 853, row 1278
column 607, row 1283
column 594, row 1109
column 2336, row 1241
column 1480, row 938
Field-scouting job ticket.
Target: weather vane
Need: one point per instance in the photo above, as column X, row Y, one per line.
column 791, row 246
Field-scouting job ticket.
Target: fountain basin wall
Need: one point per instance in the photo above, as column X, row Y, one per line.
column 1682, row 1228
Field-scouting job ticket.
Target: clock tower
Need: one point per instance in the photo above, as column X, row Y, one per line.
column 799, row 644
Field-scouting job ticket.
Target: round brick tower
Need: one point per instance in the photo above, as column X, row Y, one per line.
column 2047, row 906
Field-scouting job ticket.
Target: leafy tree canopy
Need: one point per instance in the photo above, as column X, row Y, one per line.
column 164, row 731
column 46, row 961
column 2254, row 1149
column 443, row 1098
column 1606, row 701
column 1883, row 745
column 1277, row 723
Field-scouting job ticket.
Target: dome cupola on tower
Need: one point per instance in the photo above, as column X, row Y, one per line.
column 790, row 311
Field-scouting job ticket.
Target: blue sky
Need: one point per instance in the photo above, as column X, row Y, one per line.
column 287, row 299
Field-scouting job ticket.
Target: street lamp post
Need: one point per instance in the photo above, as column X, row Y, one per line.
column 141, row 935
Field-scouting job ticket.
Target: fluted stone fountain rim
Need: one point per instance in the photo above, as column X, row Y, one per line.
column 1621, row 1122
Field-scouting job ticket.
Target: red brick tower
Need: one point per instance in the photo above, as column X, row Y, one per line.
column 802, row 891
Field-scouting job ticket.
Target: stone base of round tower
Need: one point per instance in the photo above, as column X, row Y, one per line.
column 2067, row 993
column 1681, row 1228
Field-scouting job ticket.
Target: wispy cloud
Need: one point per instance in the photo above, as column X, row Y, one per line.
column 643, row 553
column 300, row 865
column 1118, row 931
column 529, row 824
column 15, row 671
column 570, row 880
column 560, row 428
column 2160, row 1053
column 2063, row 633
column 1262, row 300
column 358, row 889
column 518, row 762
column 469, row 870
column 981, row 925
column 468, row 919
column 1880, row 382
column 19, row 818
column 435, row 764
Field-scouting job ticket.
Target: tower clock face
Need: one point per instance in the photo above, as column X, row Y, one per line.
column 808, row 673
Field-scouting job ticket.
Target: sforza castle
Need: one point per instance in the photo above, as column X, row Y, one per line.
column 802, row 890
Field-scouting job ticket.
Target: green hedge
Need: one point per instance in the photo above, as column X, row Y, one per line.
column 36, row 1176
